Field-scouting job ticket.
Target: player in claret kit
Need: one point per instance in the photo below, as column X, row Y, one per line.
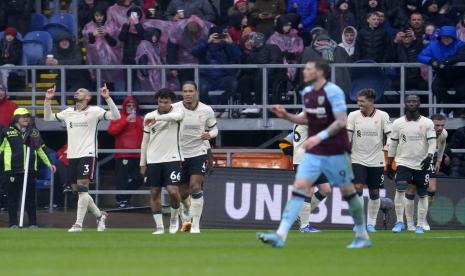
column 326, row 152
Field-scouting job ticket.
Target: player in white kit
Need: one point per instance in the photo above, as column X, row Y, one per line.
column 197, row 127
column 439, row 122
column 413, row 144
column 368, row 128
column 81, row 125
column 161, row 157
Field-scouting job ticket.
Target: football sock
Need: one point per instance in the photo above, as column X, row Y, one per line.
column 83, row 202
column 357, row 213
column 196, row 208
column 92, row 207
column 399, row 204
column 409, row 209
column 431, row 198
column 305, row 214
column 158, row 217
column 373, row 208
column 316, row 199
column 174, row 212
column 291, row 212
column 422, row 210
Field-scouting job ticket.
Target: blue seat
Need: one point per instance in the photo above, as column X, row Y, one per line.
column 59, row 23
column 33, row 50
column 38, row 21
column 44, row 176
column 367, row 77
column 42, row 37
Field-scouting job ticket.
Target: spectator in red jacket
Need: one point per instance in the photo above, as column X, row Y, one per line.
column 7, row 108
column 128, row 131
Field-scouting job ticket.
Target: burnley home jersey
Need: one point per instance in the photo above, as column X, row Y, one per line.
column 319, row 106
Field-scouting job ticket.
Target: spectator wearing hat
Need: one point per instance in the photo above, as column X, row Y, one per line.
column 153, row 10
column 86, row 8
column 242, row 6
column 12, row 148
column 182, row 9
column 11, row 52
column 431, row 9
column 67, row 52
column 349, row 36
column 442, row 54
column 340, row 18
column 218, row 49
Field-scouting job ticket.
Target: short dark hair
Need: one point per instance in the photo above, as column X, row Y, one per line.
column 349, row 31
column 165, row 93
column 191, row 83
column 367, row 93
column 438, row 117
column 321, row 64
column 370, row 14
column 412, row 95
column 417, row 13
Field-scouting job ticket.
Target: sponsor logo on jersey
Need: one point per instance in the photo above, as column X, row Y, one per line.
column 321, row 100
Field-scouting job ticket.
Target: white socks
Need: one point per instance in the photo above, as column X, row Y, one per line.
column 196, row 211
column 409, row 210
column 174, row 213
column 82, row 204
column 422, row 211
column 373, row 208
column 399, row 201
column 305, row 214
column 92, row 207
column 314, row 203
column 158, row 221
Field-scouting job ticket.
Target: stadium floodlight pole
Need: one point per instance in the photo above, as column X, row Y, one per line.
column 23, row 197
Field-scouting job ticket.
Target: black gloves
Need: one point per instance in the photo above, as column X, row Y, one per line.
column 435, row 64
column 389, row 171
column 425, row 164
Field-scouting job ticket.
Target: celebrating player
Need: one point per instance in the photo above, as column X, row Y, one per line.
column 198, row 126
column 439, row 122
column 297, row 138
column 81, row 125
column 367, row 128
column 161, row 157
column 413, row 143
column 326, row 152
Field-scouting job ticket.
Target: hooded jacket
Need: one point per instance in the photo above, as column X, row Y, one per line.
column 436, row 50
column 337, row 21
column 11, row 52
column 128, row 135
column 7, row 108
column 349, row 47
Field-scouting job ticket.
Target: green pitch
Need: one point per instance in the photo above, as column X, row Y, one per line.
column 220, row 253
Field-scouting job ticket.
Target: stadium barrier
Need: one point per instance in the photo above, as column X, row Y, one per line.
column 37, row 96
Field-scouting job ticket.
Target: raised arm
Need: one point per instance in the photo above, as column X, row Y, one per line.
column 48, row 113
column 113, row 114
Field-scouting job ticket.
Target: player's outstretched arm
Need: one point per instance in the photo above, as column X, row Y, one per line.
column 48, row 113
column 280, row 112
column 114, row 112
column 174, row 115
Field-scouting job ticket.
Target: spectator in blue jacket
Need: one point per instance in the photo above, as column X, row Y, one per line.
column 441, row 54
column 218, row 49
column 308, row 11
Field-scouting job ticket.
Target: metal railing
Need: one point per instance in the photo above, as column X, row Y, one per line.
column 35, row 95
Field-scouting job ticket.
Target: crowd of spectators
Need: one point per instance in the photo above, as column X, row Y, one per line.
column 157, row 32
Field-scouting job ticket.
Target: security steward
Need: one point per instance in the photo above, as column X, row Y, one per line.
column 14, row 141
